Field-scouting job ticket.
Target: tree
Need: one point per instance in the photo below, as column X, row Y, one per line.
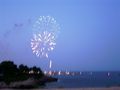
column 36, row 69
column 8, row 70
column 10, row 73
column 23, row 68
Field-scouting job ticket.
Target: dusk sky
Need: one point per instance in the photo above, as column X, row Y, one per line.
column 89, row 38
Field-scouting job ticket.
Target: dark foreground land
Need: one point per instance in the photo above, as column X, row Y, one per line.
column 12, row 76
column 111, row 88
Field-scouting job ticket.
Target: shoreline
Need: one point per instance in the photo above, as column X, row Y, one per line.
column 30, row 83
column 105, row 88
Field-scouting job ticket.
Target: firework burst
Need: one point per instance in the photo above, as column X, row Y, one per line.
column 43, row 43
column 45, row 31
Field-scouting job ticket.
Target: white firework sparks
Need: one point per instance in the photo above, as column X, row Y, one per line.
column 43, row 43
column 45, row 33
column 46, row 23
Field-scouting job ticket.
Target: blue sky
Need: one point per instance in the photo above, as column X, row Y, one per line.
column 89, row 37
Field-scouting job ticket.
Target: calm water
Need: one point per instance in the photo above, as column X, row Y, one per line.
column 87, row 79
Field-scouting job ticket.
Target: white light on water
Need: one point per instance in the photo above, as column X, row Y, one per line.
column 67, row 73
column 108, row 74
column 59, row 73
column 80, row 73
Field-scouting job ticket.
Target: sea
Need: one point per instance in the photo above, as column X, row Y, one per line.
column 86, row 80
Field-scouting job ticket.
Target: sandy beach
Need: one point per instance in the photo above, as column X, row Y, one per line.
column 109, row 88
column 114, row 88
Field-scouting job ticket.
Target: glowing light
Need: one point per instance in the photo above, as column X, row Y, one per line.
column 50, row 64
column 50, row 72
column 31, row 72
column 67, row 73
column 42, row 43
column 38, row 72
column 45, row 72
column 108, row 74
column 59, row 73
column 45, row 31
column 80, row 73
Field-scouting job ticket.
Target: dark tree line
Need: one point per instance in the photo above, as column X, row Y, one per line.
column 9, row 72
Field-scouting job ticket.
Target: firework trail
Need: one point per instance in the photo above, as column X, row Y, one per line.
column 50, row 65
